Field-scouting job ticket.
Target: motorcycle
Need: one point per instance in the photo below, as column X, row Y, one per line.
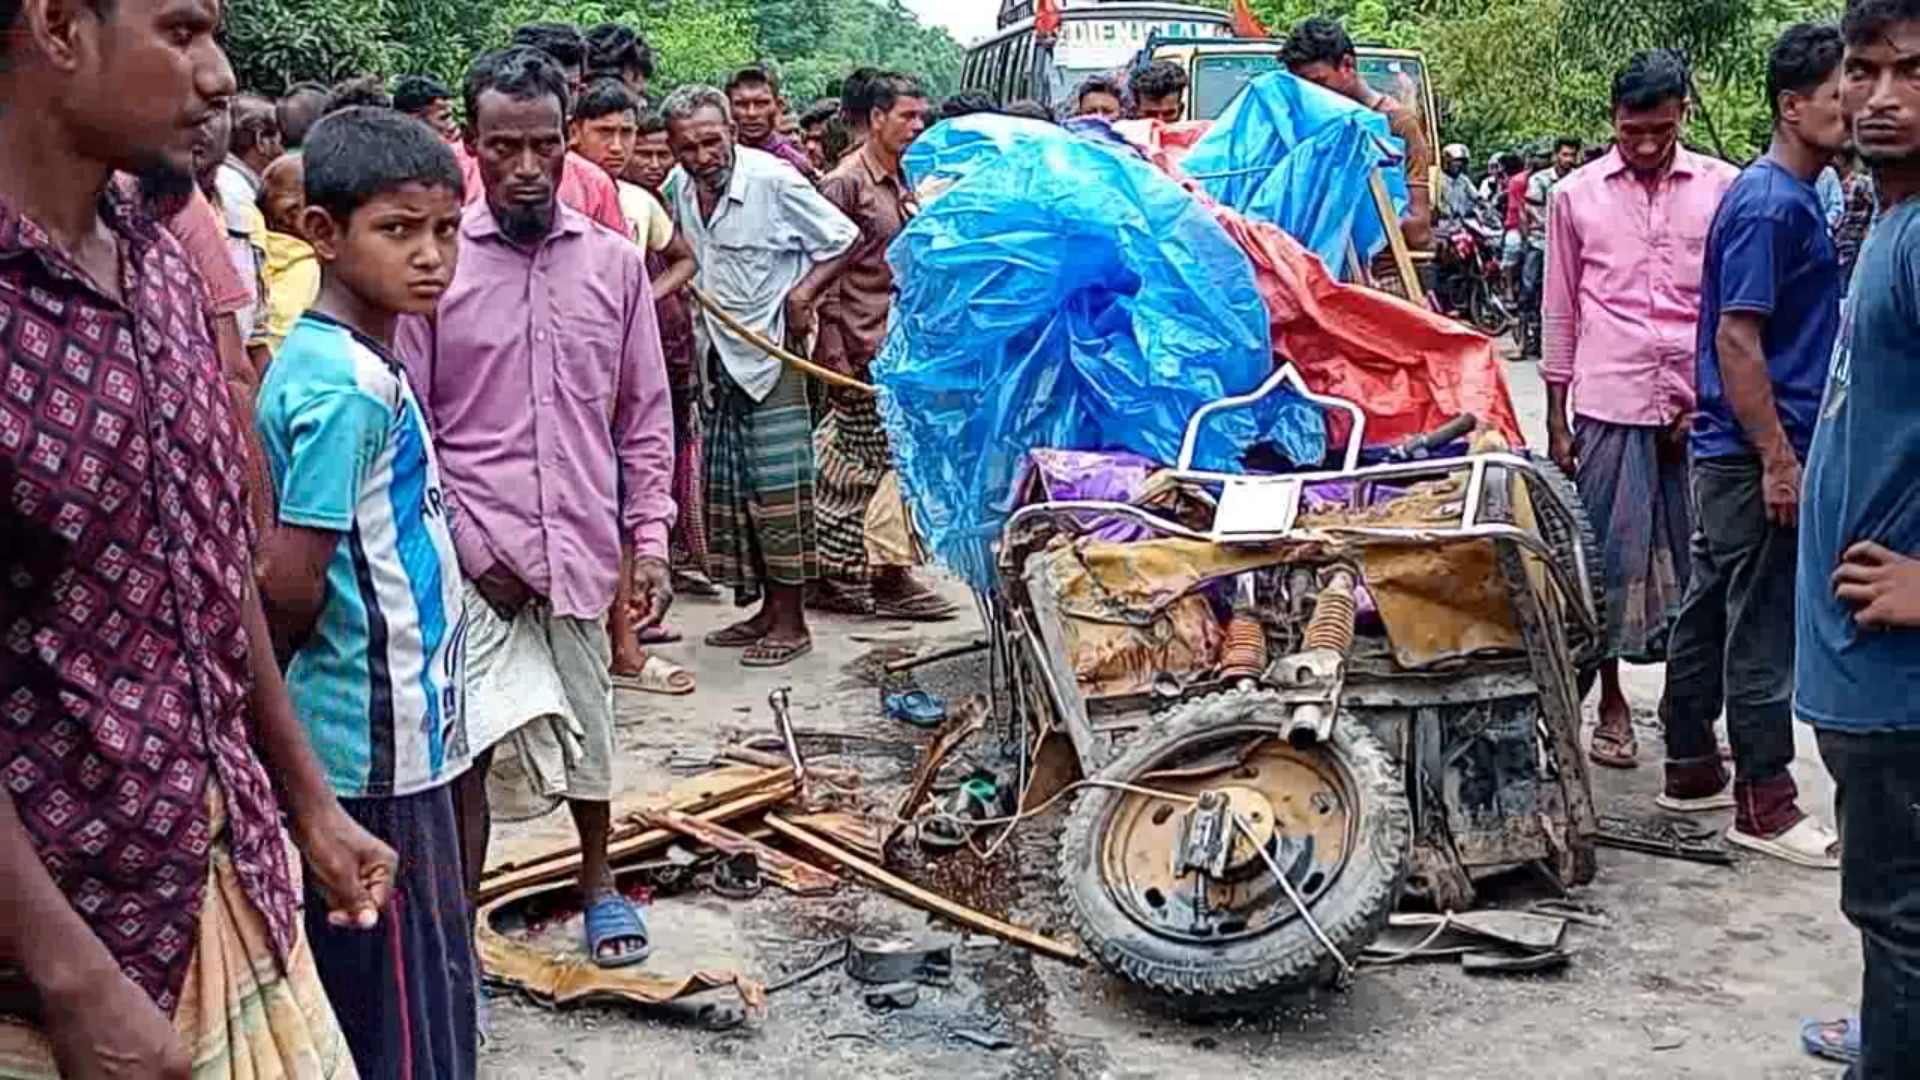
column 1471, row 279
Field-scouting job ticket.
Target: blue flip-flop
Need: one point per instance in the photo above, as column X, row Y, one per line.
column 1846, row 1051
column 612, row 918
column 919, row 708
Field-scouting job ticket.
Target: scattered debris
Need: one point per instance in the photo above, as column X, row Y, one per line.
column 832, row 957
column 894, row 960
column 894, row 996
column 985, row 1040
column 1486, row 942
column 1497, row 963
column 800, row 878
column 914, row 894
column 1661, row 1037
column 570, row 978
column 902, row 666
column 966, row 722
column 738, row 876
column 862, row 833
column 1665, row 837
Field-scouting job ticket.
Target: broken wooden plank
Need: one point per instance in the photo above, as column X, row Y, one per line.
column 799, row 878
column 692, row 795
column 747, row 755
column 864, row 835
column 919, row 897
column 551, row 871
column 966, row 722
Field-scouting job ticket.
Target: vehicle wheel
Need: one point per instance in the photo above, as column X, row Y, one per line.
column 1488, row 312
column 1584, row 647
column 1341, row 828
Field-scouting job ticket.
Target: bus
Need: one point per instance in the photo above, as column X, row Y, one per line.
column 1095, row 39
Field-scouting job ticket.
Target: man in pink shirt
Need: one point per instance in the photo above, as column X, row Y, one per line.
column 1627, row 242
column 544, row 387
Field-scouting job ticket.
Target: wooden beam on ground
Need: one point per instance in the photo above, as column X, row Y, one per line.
column 799, row 878
column 921, row 898
column 554, row 871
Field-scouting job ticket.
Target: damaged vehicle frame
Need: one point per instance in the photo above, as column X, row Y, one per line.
column 1297, row 700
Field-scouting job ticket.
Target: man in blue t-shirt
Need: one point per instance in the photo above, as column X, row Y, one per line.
column 1858, row 672
column 1769, row 311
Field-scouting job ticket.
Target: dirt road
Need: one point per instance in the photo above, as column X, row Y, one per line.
column 1702, row 972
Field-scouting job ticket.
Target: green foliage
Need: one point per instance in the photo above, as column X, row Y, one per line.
column 1511, row 72
column 275, row 43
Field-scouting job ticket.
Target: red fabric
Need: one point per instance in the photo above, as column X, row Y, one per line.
column 1410, row 369
column 1046, row 18
column 1517, row 200
column 1246, row 24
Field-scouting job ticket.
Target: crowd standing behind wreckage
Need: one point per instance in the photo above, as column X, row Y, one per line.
column 357, row 445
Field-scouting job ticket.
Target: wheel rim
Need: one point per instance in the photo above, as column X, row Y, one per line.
column 1307, row 802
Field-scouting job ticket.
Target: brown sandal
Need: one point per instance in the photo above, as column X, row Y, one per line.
column 1610, row 751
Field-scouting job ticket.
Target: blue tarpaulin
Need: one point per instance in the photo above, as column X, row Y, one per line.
column 1299, row 156
column 1059, row 291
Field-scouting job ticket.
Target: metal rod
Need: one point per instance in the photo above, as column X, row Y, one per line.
column 1299, row 902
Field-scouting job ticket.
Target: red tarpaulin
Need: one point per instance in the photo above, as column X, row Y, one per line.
column 1245, row 23
column 1409, row 369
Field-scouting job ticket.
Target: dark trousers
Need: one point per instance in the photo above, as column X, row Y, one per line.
column 1877, row 797
column 1732, row 648
column 1533, row 287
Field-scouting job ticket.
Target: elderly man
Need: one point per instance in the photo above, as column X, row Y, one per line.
column 254, row 146
column 1625, row 250
column 863, row 570
column 767, row 244
column 153, row 923
column 544, row 389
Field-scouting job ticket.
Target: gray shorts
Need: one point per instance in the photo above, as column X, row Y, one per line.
column 539, row 688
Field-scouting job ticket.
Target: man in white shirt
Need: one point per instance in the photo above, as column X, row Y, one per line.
column 767, row 245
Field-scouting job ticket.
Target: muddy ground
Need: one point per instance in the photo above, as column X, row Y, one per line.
column 1702, row 971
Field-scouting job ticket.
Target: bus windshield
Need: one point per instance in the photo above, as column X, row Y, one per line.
column 1219, row 78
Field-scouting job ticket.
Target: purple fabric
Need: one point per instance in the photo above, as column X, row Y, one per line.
column 1093, row 476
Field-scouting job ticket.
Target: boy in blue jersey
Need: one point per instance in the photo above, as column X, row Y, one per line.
column 362, row 584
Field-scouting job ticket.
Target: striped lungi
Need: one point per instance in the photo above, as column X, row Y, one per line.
column 689, row 537
column 242, row 1014
column 851, row 448
column 759, row 461
column 1633, row 481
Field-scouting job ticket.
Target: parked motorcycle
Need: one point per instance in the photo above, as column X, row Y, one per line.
column 1470, row 279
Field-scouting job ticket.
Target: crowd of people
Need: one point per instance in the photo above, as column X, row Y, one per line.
column 358, row 441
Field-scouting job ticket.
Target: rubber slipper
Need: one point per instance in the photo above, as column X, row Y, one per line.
column 827, row 598
column 921, row 607
column 918, row 708
column 610, row 919
column 1809, row 844
column 1612, row 752
column 738, row 636
column 1816, row 1039
column 762, row 655
column 694, row 583
column 660, row 635
column 662, row 676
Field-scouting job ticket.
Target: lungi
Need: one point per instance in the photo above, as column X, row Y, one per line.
column 689, row 537
column 540, row 685
column 240, row 1015
column 405, row 992
column 759, row 462
column 851, row 448
column 1634, row 483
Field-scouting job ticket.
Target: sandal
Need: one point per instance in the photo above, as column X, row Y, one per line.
column 830, row 599
column 918, row 708
column 763, row 655
column 662, row 676
column 738, row 636
column 917, row 607
column 1610, row 751
column 1832, row 1040
column 610, row 920
column 694, row 583
column 660, row 635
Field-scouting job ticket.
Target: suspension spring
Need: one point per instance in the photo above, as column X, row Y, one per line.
column 1334, row 612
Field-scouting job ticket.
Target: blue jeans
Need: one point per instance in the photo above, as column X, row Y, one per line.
column 1877, row 795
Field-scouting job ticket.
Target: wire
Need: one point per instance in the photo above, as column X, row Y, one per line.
column 1346, row 967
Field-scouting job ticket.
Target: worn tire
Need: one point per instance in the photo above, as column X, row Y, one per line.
column 1584, row 647
column 1240, row 976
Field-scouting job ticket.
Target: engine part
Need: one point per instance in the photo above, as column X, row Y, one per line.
column 882, row 961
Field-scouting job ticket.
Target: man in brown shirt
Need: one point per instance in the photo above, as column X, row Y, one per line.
column 1320, row 52
column 866, row 571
